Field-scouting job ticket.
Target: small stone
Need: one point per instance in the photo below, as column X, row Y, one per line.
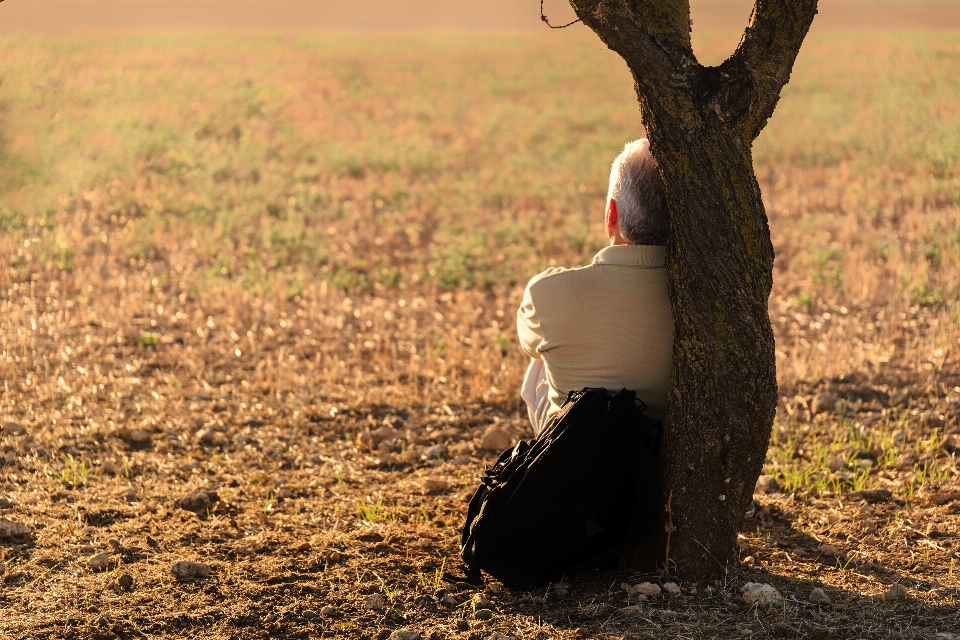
column 5, row 503
column 327, row 611
column 494, row 589
column 760, row 593
column 495, row 438
column 449, row 600
column 309, row 614
column 819, row 596
column 766, row 484
column 642, row 589
column 424, row 543
column 436, row 485
column 894, row 593
column 822, row 403
column 3, row 568
column 187, row 570
column 126, row 581
column 9, row 530
column 334, row 556
column 115, row 544
column 405, row 634
column 460, row 460
column 483, row 614
column 108, row 466
column 199, row 501
column 836, row 463
column 436, row 451
column 672, row 588
column 99, row 561
column 480, row 602
column 374, row 602
column 899, row 435
column 749, row 561
column 463, row 625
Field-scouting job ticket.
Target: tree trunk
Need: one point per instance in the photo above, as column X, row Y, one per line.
column 701, row 123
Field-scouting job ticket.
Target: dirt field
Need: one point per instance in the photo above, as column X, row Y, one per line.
column 257, row 310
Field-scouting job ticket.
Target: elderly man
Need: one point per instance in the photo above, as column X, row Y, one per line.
column 608, row 324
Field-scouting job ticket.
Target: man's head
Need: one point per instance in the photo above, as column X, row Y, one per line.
column 636, row 206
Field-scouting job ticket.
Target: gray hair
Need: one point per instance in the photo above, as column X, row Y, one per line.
column 636, row 186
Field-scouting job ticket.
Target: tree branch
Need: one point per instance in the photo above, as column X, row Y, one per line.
column 652, row 36
column 767, row 52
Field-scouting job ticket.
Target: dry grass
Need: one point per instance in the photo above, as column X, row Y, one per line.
column 283, row 268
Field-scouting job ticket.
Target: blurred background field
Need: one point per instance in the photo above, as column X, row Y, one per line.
column 216, row 240
column 375, row 166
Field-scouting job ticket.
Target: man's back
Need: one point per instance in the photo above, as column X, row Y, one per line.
column 605, row 325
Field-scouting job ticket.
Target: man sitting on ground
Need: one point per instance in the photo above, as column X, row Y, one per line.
column 608, row 324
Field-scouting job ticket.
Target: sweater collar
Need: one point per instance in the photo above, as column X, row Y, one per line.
column 632, row 255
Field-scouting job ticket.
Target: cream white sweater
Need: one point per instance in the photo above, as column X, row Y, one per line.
column 608, row 325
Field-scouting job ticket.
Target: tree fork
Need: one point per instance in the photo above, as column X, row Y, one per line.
column 701, row 122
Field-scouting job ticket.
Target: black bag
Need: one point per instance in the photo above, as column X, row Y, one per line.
column 576, row 498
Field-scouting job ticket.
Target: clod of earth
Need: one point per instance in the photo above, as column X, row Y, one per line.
column 309, row 614
column 99, row 561
column 126, row 581
column 3, row 568
column 436, row 451
column 211, row 438
column 767, row 484
column 760, row 593
column 198, row 501
column 819, row 596
column 374, row 602
column 435, row 485
column 836, row 463
column 871, row 495
column 449, row 600
column 187, row 570
column 642, row 589
column 894, row 593
column 672, row 588
column 405, row 634
column 327, row 611
column 139, row 437
column 9, row 530
column 480, row 602
column 495, row 438
column 830, row 551
column 5, row 503
column 822, row 403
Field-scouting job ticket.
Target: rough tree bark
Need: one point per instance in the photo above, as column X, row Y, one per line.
column 701, row 122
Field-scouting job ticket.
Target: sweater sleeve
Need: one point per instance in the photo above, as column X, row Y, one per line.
column 528, row 325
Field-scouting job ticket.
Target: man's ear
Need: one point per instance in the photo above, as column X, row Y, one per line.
column 612, row 219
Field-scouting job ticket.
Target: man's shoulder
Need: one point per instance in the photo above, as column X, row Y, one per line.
column 555, row 277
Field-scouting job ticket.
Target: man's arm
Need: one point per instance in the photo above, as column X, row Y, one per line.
column 528, row 325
